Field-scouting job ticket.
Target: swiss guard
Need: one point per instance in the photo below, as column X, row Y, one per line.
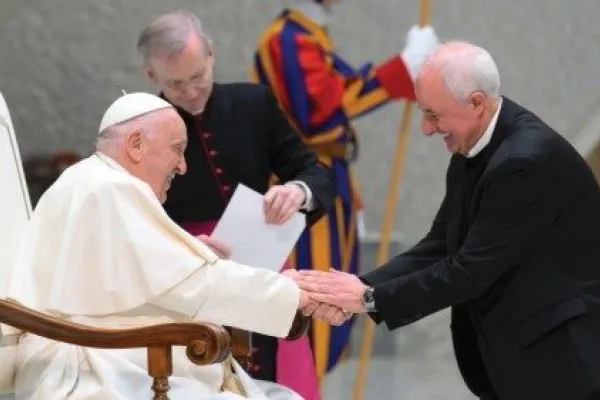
column 321, row 94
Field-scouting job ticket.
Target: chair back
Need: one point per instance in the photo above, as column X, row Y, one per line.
column 15, row 210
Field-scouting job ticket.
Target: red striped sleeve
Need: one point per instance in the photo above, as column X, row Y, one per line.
column 323, row 85
column 395, row 79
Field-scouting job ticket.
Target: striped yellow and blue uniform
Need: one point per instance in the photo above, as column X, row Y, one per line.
column 320, row 93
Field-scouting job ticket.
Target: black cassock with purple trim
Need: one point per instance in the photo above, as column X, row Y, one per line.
column 242, row 137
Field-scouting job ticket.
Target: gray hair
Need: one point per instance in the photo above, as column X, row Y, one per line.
column 466, row 68
column 112, row 137
column 168, row 34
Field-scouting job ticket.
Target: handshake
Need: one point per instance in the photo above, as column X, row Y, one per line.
column 332, row 296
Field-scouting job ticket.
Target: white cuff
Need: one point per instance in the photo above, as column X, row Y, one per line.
column 309, row 203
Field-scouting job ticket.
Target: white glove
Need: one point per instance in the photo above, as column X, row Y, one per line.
column 420, row 42
column 361, row 227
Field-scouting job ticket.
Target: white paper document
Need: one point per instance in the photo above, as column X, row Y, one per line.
column 252, row 241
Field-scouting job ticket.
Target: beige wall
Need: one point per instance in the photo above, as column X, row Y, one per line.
column 63, row 61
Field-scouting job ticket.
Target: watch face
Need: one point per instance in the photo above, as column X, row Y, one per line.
column 368, row 296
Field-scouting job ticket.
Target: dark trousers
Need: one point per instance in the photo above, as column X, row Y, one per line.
column 265, row 357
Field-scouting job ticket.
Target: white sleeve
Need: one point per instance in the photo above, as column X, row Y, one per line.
column 236, row 295
column 309, row 202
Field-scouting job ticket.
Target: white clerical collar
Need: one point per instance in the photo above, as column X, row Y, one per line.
column 312, row 10
column 484, row 140
column 110, row 161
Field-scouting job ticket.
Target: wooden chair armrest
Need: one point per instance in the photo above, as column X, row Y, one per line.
column 299, row 327
column 206, row 343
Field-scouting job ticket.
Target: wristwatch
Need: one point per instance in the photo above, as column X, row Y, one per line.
column 368, row 299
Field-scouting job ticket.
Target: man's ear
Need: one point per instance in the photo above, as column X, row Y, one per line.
column 211, row 54
column 477, row 102
column 150, row 74
column 135, row 146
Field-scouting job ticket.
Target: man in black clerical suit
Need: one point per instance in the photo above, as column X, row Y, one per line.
column 514, row 248
column 236, row 134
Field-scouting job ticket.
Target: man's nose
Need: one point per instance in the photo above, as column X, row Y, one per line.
column 182, row 167
column 427, row 127
column 191, row 92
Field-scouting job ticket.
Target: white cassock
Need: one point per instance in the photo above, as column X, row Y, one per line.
column 100, row 250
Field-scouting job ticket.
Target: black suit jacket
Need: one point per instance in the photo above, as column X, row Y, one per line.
column 515, row 250
column 242, row 137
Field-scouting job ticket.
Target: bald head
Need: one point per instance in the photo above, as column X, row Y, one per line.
column 458, row 91
column 463, row 69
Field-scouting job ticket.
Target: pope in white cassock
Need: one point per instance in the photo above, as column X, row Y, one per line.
column 100, row 250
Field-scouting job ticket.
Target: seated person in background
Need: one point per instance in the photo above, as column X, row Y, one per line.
column 100, row 250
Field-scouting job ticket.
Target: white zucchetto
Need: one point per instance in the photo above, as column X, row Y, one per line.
column 129, row 106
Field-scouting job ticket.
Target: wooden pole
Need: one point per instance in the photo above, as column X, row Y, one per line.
column 386, row 226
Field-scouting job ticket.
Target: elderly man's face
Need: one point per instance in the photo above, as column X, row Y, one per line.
column 458, row 123
column 163, row 157
column 186, row 79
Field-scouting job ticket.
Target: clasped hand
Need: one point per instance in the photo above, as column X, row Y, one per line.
column 332, row 296
column 280, row 203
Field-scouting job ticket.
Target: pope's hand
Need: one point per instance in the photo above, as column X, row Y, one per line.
column 328, row 313
column 310, row 307
column 290, row 272
column 335, row 288
column 305, row 300
column 420, row 42
column 282, row 201
column 219, row 248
